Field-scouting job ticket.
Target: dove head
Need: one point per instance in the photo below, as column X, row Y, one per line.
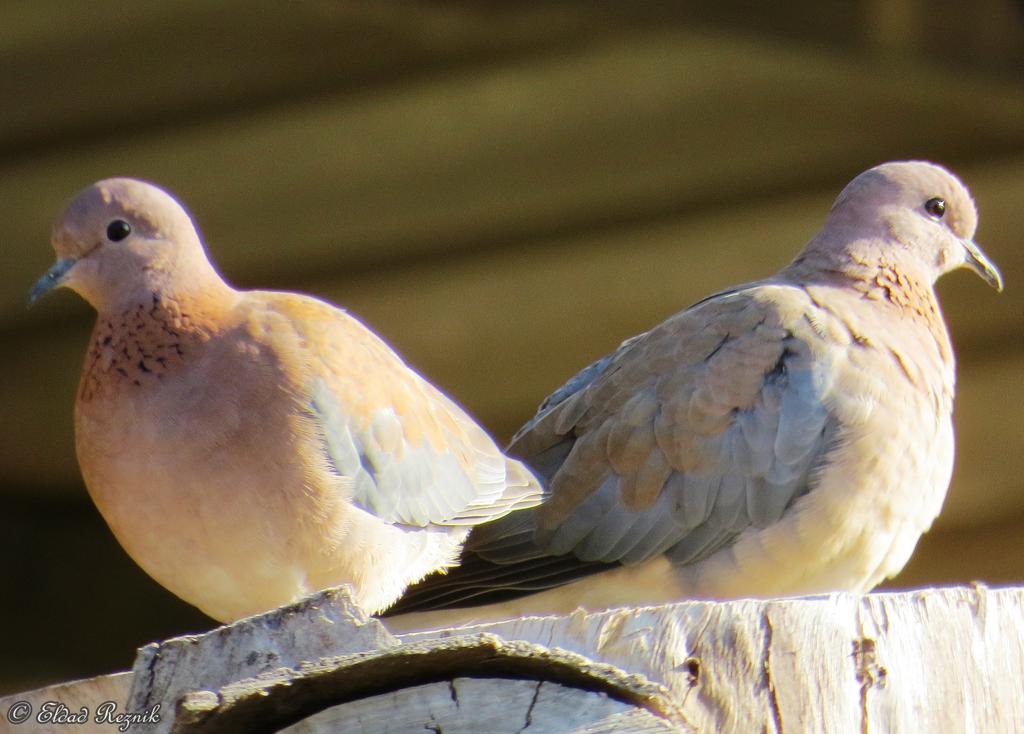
column 123, row 240
column 912, row 214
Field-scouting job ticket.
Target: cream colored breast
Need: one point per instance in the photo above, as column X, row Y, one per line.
column 178, row 472
column 880, row 486
column 217, row 485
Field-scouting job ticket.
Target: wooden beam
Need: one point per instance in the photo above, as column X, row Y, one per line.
column 933, row 660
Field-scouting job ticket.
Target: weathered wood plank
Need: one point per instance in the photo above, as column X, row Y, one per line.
column 934, row 660
column 470, row 706
column 253, row 647
column 295, row 694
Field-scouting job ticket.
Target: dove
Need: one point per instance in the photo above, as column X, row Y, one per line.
column 248, row 448
column 790, row 436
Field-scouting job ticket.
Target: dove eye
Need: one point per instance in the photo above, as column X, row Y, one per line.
column 935, row 207
column 118, row 230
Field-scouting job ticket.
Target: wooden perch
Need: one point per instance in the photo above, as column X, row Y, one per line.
column 586, row 692
column 944, row 660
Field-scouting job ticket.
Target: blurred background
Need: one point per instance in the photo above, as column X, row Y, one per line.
column 505, row 191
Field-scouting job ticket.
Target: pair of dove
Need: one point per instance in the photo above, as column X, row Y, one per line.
column 788, row 436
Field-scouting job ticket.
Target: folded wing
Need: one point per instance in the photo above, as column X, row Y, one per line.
column 711, row 423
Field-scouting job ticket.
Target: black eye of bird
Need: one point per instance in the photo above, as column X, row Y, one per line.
column 935, row 207
column 118, row 230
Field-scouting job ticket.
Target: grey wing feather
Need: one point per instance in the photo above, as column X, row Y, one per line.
column 418, row 485
column 747, row 486
column 747, row 474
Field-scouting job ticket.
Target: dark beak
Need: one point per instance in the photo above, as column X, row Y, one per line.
column 51, row 279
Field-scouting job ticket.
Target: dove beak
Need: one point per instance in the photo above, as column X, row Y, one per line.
column 978, row 261
column 52, row 278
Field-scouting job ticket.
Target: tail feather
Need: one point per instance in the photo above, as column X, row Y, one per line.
column 478, row 581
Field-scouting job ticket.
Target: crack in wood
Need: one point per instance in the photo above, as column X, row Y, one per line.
column 150, row 668
column 766, row 666
column 869, row 674
column 529, row 709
